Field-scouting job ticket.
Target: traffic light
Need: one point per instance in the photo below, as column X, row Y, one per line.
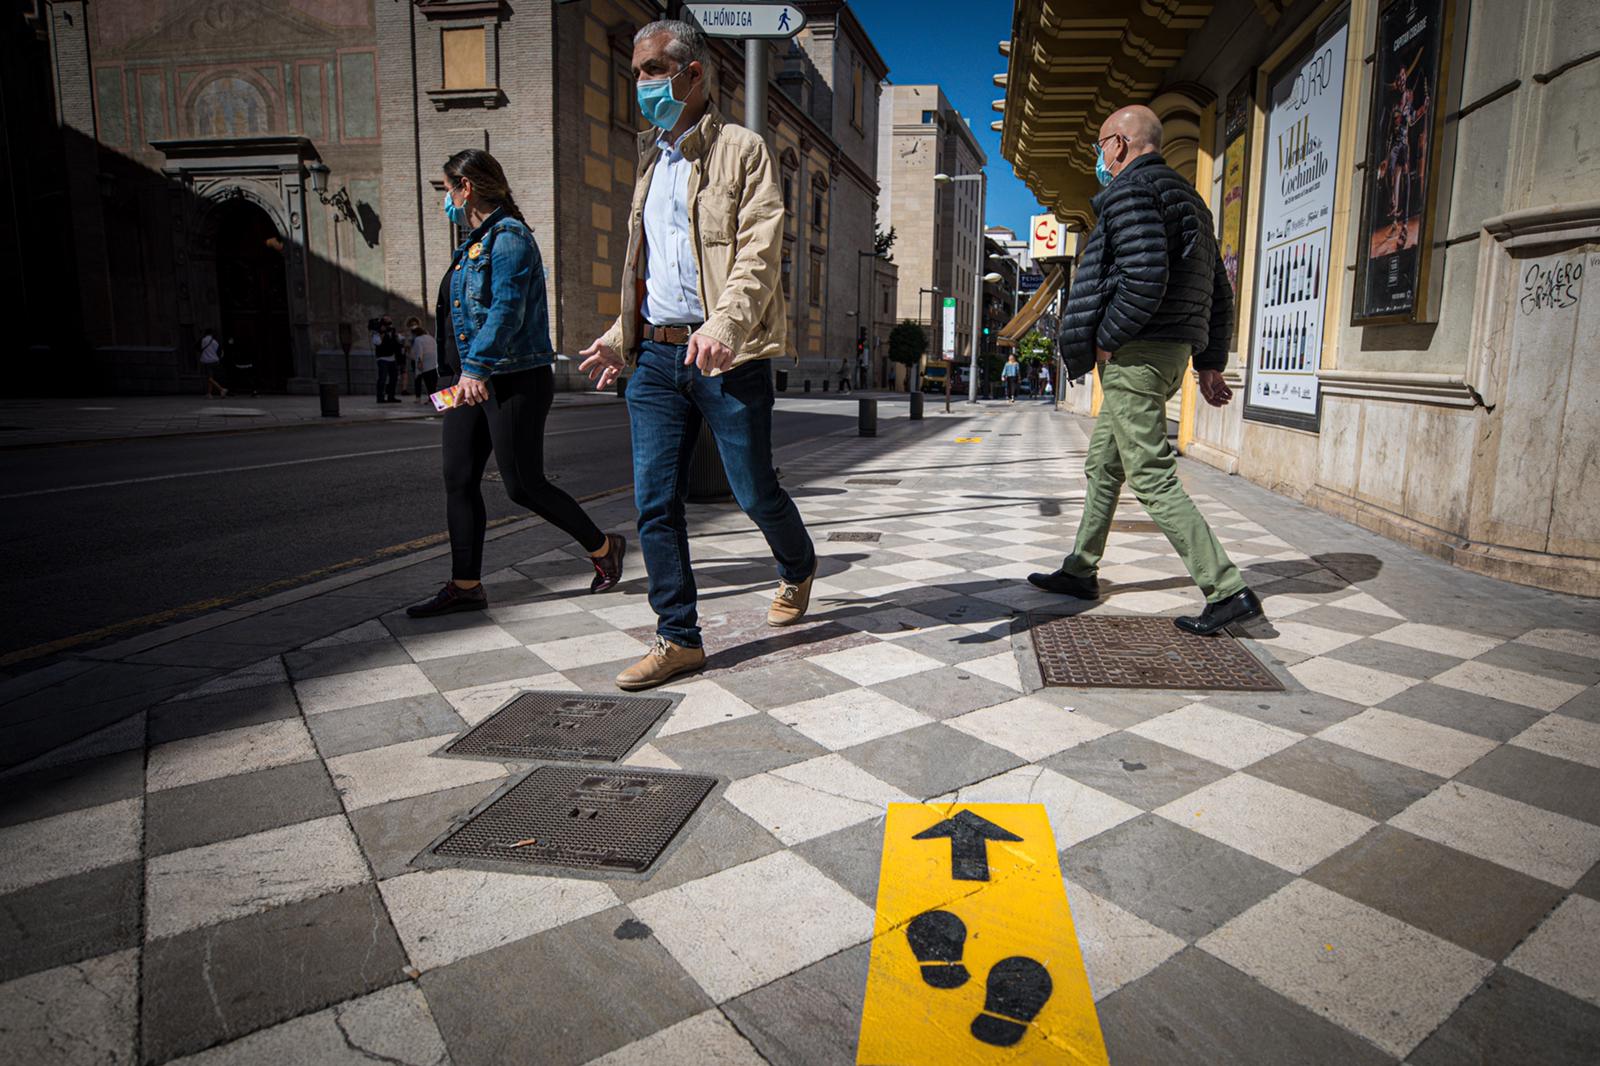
column 861, row 340
column 985, row 331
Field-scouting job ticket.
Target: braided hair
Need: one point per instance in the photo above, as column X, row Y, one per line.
column 488, row 178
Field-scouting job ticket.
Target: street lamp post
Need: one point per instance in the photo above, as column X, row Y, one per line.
column 916, row 378
column 861, row 331
column 978, row 277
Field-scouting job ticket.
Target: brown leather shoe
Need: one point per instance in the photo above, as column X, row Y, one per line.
column 608, row 567
column 449, row 600
column 661, row 664
column 790, row 603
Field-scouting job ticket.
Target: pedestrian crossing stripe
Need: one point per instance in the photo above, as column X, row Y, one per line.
column 974, row 956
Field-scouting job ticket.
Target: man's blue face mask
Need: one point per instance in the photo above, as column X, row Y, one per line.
column 1102, row 172
column 657, row 104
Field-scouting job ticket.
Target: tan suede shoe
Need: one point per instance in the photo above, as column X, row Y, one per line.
column 791, row 602
column 661, row 664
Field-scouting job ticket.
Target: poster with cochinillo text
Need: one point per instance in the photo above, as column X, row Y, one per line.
column 1300, row 169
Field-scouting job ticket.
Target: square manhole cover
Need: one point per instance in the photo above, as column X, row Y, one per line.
column 571, row 726
column 1085, row 651
column 616, row 820
column 873, row 481
column 859, row 535
column 1134, row 525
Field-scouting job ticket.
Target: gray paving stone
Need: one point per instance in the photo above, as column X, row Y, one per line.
column 851, row 856
column 91, row 701
column 930, row 760
column 719, row 837
column 1512, row 1018
column 1466, row 711
column 560, row 997
column 1195, row 1010
column 1546, row 662
column 1542, row 780
column 72, row 787
column 1332, row 616
column 782, row 684
column 343, row 658
column 601, row 677
column 811, row 1017
column 192, row 815
column 1394, row 658
column 70, row 918
column 1377, row 788
column 392, row 834
column 1136, row 770
column 225, row 710
column 1299, row 710
column 201, row 652
column 557, row 627
column 223, row 981
column 1585, row 705
column 1484, row 907
column 947, row 691
column 375, row 725
column 956, row 645
column 738, row 748
column 1118, row 708
column 482, row 668
column 1185, row 883
column 1589, row 884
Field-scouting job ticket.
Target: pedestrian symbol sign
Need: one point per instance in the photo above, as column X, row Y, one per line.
column 752, row 19
column 974, row 955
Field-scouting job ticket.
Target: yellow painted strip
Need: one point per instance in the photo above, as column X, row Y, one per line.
column 968, row 440
column 972, row 970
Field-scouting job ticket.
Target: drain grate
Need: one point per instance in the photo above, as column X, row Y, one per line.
column 561, row 725
column 859, row 535
column 1084, row 651
column 1134, row 525
column 575, row 818
column 873, row 481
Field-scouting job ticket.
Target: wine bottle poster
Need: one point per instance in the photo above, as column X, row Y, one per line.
column 1300, row 168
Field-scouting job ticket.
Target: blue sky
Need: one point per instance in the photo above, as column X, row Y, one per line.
column 955, row 45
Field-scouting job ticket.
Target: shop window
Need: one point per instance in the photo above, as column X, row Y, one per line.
column 465, row 63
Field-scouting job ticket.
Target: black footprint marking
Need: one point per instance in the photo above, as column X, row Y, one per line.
column 1018, row 989
column 937, row 939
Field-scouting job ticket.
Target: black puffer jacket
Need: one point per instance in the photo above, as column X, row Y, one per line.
column 1151, row 270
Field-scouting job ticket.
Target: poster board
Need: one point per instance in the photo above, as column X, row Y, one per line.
column 1236, row 118
column 948, row 331
column 1299, row 173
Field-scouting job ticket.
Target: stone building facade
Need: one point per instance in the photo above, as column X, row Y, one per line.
column 271, row 167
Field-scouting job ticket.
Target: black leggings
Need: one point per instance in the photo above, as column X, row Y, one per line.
column 510, row 423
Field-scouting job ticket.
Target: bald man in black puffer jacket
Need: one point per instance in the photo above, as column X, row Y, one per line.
column 1150, row 293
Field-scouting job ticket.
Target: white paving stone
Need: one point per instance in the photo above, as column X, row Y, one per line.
column 1565, row 738
column 744, row 927
column 82, row 1014
column 478, row 702
column 367, row 778
column 1538, row 842
column 448, row 642
column 1029, row 727
column 873, row 664
column 1564, row 952
column 920, row 570
column 1366, row 604
column 1410, row 741
column 1229, row 739
column 232, row 751
column 233, row 878
column 1076, row 811
column 445, row 915
column 850, row 717
column 809, row 799
column 319, row 695
column 1439, row 639
column 704, row 703
column 1569, row 641
column 1118, row 947
column 1272, row 823
column 370, row 630
column 1375, row 975
column 1513, row 686
column 1347, row 681
column 70, row 843
column 705, row 1039
column 573, row 652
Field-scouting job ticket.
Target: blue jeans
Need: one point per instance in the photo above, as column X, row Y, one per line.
column 666, row 403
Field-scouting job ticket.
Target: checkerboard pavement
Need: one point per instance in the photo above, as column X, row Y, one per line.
column 1395, row 859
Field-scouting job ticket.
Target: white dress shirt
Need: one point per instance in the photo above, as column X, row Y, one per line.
column 671, row 278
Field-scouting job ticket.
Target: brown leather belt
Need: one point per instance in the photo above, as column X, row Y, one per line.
column 668, row 334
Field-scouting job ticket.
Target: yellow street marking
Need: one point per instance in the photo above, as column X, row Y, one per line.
column 968, row 440
column 974, row 955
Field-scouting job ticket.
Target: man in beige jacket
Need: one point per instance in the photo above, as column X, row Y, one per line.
column 702, row 312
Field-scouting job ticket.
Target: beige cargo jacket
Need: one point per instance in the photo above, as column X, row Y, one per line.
column 736, row 225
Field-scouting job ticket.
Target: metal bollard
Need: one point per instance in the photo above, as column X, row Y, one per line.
column 783, row 381
column 867, row 417
column 622, row 387
column 330, row 399
column 807, row 385
column 824, row 384
column 916, row 407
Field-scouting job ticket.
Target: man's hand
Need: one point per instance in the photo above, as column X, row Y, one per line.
column 1213, row 388
column 602, row 363
column 708, row 354
column 471, row 391
column 1102, row 356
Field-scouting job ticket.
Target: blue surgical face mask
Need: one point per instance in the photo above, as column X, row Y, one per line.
column 457, row 215
column 657, row 104
column 1102, row 172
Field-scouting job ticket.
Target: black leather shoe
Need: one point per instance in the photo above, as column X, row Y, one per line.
column 1084, row 588
column 608, row 568
column 1240, row 607
column 449, row 600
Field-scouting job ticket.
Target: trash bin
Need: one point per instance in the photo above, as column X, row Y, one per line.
column 783, row 381
column 916, row 407
column 330, row 399
column 708, row 481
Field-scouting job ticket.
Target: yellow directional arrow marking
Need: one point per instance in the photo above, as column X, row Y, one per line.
column 974, row 956
column 968, row 440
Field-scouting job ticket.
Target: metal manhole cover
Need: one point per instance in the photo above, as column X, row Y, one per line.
column 571, row 726
column 855, row 535
column 1085, row 651
column 615, row 820
column 1134, row 525
column 873, row 481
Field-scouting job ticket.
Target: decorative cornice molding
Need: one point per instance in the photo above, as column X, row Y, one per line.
column 1439, row 390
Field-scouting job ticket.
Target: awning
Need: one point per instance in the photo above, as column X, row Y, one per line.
column 1037, row 304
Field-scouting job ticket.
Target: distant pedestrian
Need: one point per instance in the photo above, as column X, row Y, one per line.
column 424, row 359
column 211, row 364
column 1044, row 382
column 1149, row 294
column 499, row 322
column 1009, row 374
column 386, row 350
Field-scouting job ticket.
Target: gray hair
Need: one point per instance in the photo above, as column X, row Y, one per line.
column 688, row 44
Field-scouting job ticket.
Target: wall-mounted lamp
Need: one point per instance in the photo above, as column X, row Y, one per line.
column 317, row 177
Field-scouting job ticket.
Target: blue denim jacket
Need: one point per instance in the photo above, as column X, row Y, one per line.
column 497, row 300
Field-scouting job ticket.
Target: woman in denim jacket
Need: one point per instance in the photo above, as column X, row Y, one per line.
column 499, row 326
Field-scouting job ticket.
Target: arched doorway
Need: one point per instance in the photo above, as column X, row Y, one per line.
column 252, row 296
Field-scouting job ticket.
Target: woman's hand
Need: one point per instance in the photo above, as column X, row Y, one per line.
column 472, row 391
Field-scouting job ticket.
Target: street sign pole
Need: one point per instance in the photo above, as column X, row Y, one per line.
column 755, row 86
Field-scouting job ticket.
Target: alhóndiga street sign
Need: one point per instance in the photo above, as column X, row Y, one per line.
column 776, row 21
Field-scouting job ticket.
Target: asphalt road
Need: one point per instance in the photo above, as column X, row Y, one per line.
column 99, row 535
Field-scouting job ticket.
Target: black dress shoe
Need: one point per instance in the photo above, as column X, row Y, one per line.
column 1240, row 607
column 1084, row 588
column 608, row 567
column 449, row 600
